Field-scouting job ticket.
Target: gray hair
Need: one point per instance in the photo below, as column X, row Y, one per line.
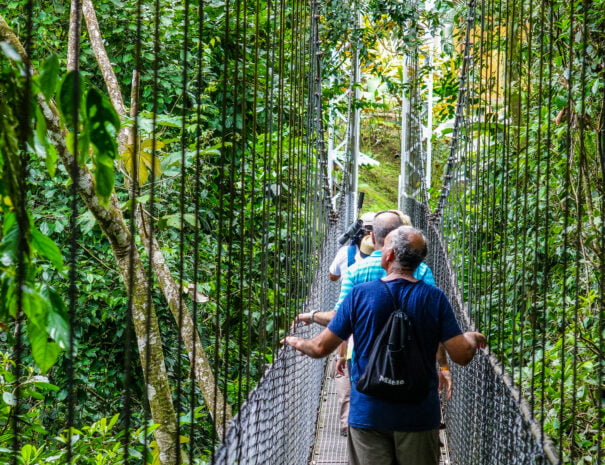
column 410, row 247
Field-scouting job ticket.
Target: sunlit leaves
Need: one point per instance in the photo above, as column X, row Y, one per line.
column 147, row 160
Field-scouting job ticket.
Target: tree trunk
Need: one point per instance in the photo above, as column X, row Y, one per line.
column 189, row 334
column 116, row 230
column 74, row 28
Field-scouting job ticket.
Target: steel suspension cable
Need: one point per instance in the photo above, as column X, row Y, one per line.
column 601, row 298
column 180, row 375
column 73, row 244
column 193, row 398
column 565, row 293
column 134, row 194
column 536, row 375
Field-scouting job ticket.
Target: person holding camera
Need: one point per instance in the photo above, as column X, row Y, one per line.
column 360, row 247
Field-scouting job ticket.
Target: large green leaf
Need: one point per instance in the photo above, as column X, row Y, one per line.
column 103, row 110
column 51, row 152
column 49, row 76
column 70, row 95
column 35, row 307
column 102, row 126
column 6, row 296
column 101, row 116
column 57, row 323
column 47, row 248
column 45, row 352
column 9, row 246
column 104, row 178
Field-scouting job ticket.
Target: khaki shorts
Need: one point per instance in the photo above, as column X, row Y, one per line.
column 377, row 447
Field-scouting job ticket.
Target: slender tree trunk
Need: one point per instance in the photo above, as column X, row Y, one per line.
column 188, row 332
column 74, row 27
column 197, row 355
column 146, row 327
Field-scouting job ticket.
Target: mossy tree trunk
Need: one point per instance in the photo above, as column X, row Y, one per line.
column 202, row 370
column 114, row 227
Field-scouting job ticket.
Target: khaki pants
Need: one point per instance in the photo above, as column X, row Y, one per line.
column 343, row 393
column 376, row 447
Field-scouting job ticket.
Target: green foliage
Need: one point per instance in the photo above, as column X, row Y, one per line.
column 530, row 210
column 24, row 250
column 100, row 443
column 89, row 114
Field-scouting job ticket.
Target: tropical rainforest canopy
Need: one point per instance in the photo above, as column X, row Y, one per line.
column 163, row 198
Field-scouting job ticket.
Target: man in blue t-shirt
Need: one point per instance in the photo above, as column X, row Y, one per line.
column 382, row 431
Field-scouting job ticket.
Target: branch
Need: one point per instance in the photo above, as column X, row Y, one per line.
column 200, row 363
column 112, row 223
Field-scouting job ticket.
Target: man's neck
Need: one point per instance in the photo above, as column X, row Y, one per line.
column 396, row 273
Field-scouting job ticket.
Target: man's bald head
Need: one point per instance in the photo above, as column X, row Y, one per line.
column 409, row 245
column 384, row 223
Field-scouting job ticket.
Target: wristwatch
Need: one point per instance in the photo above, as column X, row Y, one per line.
column 312, row 317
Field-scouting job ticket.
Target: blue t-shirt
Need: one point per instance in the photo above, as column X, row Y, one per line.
column 363, row 313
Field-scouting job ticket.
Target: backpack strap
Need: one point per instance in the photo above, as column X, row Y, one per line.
column 351, row 251
column 405, row 300
column 403, row 307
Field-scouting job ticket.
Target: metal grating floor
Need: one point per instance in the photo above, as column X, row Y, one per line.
column 330, row 447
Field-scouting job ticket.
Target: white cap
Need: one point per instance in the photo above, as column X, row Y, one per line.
column 368, row 218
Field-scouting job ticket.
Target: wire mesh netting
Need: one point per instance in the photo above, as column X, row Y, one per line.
column 277, row 423
column 486, row 420
column 521, row 217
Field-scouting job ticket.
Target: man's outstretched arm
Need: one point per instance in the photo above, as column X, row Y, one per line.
column 321, row 345
column 321, row 318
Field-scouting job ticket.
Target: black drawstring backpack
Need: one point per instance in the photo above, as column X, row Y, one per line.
column 396, row 370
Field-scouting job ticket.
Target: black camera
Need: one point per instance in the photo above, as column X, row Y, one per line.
column 351, row 233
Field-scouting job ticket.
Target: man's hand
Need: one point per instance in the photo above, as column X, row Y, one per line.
column 295, row 342
column 304, row 318
column 321, row 345
column 445, row 382
column 462, row 348
column 341, row 363
column 476, row 339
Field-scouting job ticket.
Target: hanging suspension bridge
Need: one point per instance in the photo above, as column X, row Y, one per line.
column 202, row 159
